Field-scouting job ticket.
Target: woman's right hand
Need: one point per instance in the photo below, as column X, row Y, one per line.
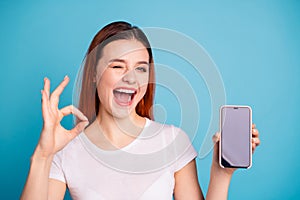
column 54, row 136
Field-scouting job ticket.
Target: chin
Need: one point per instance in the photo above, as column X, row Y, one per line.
column 121, row 112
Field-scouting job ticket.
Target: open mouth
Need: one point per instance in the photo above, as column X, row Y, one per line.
column 124, row 97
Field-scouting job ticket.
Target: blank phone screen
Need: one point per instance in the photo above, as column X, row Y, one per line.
column 235, row 137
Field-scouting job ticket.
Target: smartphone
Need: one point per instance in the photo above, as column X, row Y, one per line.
column 235, row 150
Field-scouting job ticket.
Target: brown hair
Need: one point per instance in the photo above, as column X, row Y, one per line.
column 88, row 96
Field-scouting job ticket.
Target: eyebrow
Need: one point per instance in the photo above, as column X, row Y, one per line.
column 123, row 61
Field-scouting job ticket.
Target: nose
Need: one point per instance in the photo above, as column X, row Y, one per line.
column 129, row 77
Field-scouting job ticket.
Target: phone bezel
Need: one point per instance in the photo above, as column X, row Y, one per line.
column 220, row 142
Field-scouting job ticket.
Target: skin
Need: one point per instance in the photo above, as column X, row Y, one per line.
column 116, row 126
column 124, row 64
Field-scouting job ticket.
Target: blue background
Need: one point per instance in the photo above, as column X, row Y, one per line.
column 255, row 45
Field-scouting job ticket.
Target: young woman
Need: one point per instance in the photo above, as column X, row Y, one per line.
column 116, row 150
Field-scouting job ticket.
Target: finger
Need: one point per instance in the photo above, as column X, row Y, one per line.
column 44, row 104
column 253, row 147
column 216, row 137
column 256, row 141
column 45, row 109
column 255, row 133
column 47, row 87
column 253, row 125
column 78, row 128
column 73, row 110
column 45, row 98
column 54, row 98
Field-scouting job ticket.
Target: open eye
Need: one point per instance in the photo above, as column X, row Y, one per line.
column 142, row 69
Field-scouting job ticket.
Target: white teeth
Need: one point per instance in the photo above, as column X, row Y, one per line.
column 125, row 91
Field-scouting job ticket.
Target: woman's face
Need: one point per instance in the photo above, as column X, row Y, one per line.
column 122, row 77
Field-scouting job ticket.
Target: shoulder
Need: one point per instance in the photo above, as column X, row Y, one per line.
column 166, row 130
column 167, row 135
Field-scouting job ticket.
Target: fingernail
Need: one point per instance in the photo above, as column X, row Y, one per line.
column 214, row 138
column 86, row 118
column 45, row 78
column 42, row 92
column 66, row 76
column 86, row 123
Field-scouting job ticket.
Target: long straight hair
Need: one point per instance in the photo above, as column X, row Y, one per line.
column 86, row 95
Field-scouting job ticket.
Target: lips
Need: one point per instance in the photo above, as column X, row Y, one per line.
column 124, row 96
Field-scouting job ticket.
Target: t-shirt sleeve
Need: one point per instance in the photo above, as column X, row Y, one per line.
column 56, row 170
column 185, row 152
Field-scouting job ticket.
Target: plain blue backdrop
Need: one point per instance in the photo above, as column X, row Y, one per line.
column 255, row 44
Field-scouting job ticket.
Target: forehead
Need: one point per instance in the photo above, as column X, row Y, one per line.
column 126, row 49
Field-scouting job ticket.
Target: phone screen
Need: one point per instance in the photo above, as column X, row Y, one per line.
column 235, row 137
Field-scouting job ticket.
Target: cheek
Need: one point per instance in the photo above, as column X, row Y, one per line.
column 143, row 80
column 105, row 86
column 143, row 85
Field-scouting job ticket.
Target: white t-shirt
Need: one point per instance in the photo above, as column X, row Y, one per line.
column 142, row 170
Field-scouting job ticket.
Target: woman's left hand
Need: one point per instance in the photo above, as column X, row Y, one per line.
column 216, row 168
column 255, row 138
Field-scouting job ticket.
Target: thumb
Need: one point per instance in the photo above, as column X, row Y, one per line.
column 216, row 140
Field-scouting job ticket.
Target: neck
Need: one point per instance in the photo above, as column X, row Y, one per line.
column 120, row 130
